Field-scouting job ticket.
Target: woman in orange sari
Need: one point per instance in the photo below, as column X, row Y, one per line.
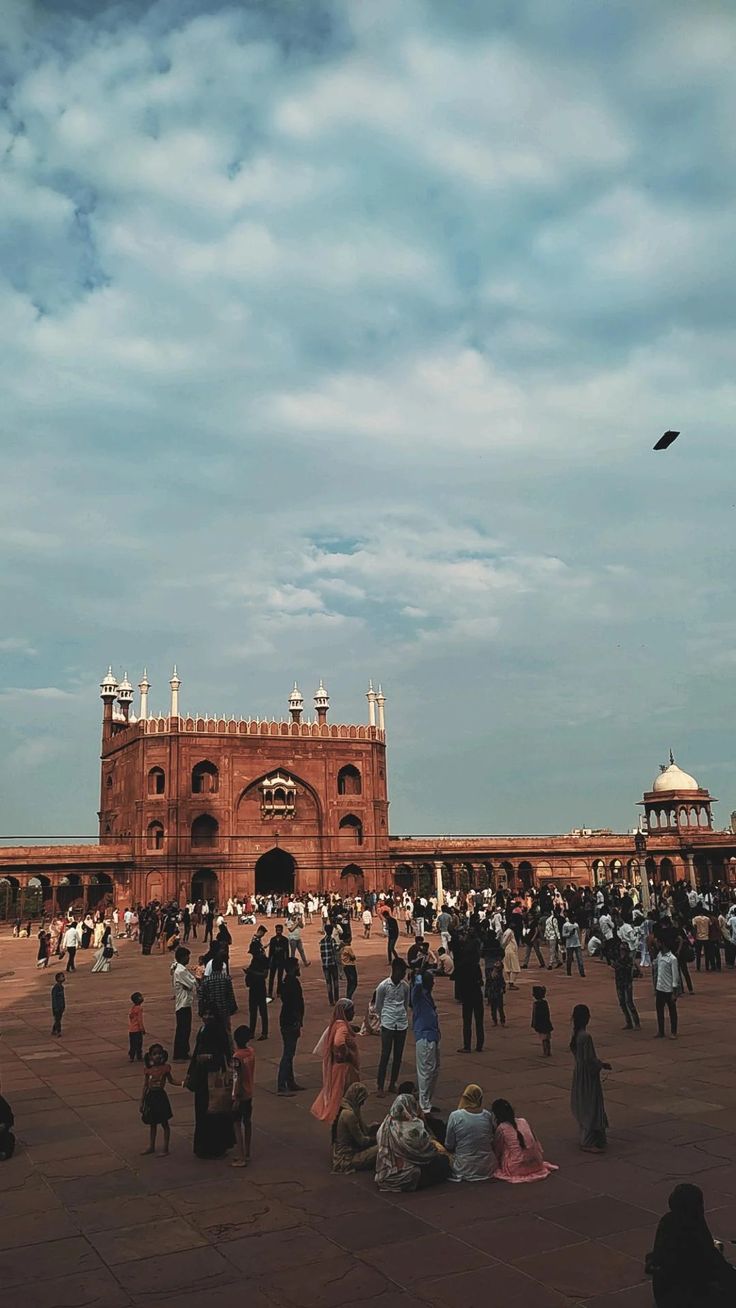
column 340, row 1062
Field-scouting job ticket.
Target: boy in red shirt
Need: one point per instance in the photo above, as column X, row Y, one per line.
column 136, row 1029
column 244, row 1063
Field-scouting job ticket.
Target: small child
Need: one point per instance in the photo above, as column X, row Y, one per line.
column 495, row 991
column 58, row 1002
column 136, row 1029
column 155, row 1106
column 541, row 1020
column 244, row 1063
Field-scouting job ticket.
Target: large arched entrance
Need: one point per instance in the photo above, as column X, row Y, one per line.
column 351, row 880
column 275, row 873
column 204, row 884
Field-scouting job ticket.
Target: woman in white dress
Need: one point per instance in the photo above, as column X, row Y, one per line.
column 105, row 953
column 469, row 1138
column 511, row 968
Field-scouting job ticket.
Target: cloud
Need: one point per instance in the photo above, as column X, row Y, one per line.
column 346, row 358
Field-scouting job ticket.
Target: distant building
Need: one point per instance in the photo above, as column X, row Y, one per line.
column 199, row 805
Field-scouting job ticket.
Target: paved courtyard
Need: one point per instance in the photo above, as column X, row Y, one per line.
column 86, row 1220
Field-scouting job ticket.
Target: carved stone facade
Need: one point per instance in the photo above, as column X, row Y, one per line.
column 193, row 806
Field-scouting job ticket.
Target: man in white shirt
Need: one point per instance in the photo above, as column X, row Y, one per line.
column 666, row 986
column 185, row 985
column 71, row 945
column 367, row 923
column 605, row 922
column 392, row 1007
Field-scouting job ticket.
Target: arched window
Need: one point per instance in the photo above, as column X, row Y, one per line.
column 351, row 830
column 156, row 781
column 155, row 836
column 204, row 831
column 108, row 782
column 349, row 781
column 205, row 778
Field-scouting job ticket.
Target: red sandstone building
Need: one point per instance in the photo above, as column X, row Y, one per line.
column 193, row 806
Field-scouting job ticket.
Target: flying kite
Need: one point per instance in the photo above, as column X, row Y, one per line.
column 665, row 441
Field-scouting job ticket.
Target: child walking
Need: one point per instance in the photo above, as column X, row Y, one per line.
column 136, row 1029
column 495, row 991
column 244, row 1063
column 155, row 1106
column 541, row 1019
column 58, row 1002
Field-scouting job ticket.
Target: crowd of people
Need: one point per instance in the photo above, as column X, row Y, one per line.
column 475, row 943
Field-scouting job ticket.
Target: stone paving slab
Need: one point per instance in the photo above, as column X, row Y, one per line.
column 85, row 1219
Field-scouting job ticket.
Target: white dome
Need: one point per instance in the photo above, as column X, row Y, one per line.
column 673, row 778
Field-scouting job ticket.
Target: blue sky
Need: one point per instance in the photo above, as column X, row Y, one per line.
column 335, row 338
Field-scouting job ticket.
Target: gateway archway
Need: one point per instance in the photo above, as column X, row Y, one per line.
column 275, row 873
column 204, row 884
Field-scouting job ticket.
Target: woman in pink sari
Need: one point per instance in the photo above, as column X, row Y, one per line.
column 518, row 1152
column 340, row 1062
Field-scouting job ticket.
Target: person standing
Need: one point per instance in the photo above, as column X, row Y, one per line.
column 392, row 934
column 571, row 937
column 136, row 1028
column 294, row 932
column 367, row 923
column 349, row 965
column 291, row 1022
column 58, row 1002
column 340, row 1062
column 552, row 937
column 392, row 1008
column 586, row 1096
column 623, row 970
column 533, row 942
column 71, row 945
column 666, row 986
column 469, row 981
column 255, row 980
column 184, row 984
column 426, row 1027
column 244, row 1066
column 511, row 968
column 278, row 953
column 329, row 956
column 701, row 927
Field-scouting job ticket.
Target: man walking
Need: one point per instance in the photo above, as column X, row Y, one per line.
column 71, row 944
column 291, row 1022
column 571, row 937
column 58, row 1003
column 666, row 985
column 329, row 957
column 392, row 1008
column 623, row 968
column 185, row 984
column 426, row 1026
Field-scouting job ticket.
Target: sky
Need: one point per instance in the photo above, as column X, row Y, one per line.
column 335, row 337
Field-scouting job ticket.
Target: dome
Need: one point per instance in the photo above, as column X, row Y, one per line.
column 673, row 778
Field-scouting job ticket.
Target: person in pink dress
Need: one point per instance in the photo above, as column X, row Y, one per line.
column 518, row 1152
column 340, row 1062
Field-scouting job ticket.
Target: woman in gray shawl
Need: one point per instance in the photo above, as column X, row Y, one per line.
column 586, row 1097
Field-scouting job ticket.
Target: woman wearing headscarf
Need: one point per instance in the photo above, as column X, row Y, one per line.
column 511, row 967
column 469, row 1138
column 688, row 1268
column 518, row 1153
column 340, row 1062
column 586, row 1096
column 105, row 953
column 354, row 1146
column 209, row 1077
column 408, row 1157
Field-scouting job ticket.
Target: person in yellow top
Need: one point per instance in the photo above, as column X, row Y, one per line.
column 348, row 963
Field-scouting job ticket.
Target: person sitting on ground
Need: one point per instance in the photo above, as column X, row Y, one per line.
column 469, row 1138
column 688, row 1267
column 354, row 1147
column 371, row 1021
column 409, row 1158
column 435, row 1124
column 518, row 1152
column 444, row 962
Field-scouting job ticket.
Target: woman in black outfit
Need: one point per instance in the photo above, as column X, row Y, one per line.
column 688, row 1269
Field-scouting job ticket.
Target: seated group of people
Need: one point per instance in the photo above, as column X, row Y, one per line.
column 411, row 1150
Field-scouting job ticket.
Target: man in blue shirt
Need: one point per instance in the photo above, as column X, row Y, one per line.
column 426, row 1026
